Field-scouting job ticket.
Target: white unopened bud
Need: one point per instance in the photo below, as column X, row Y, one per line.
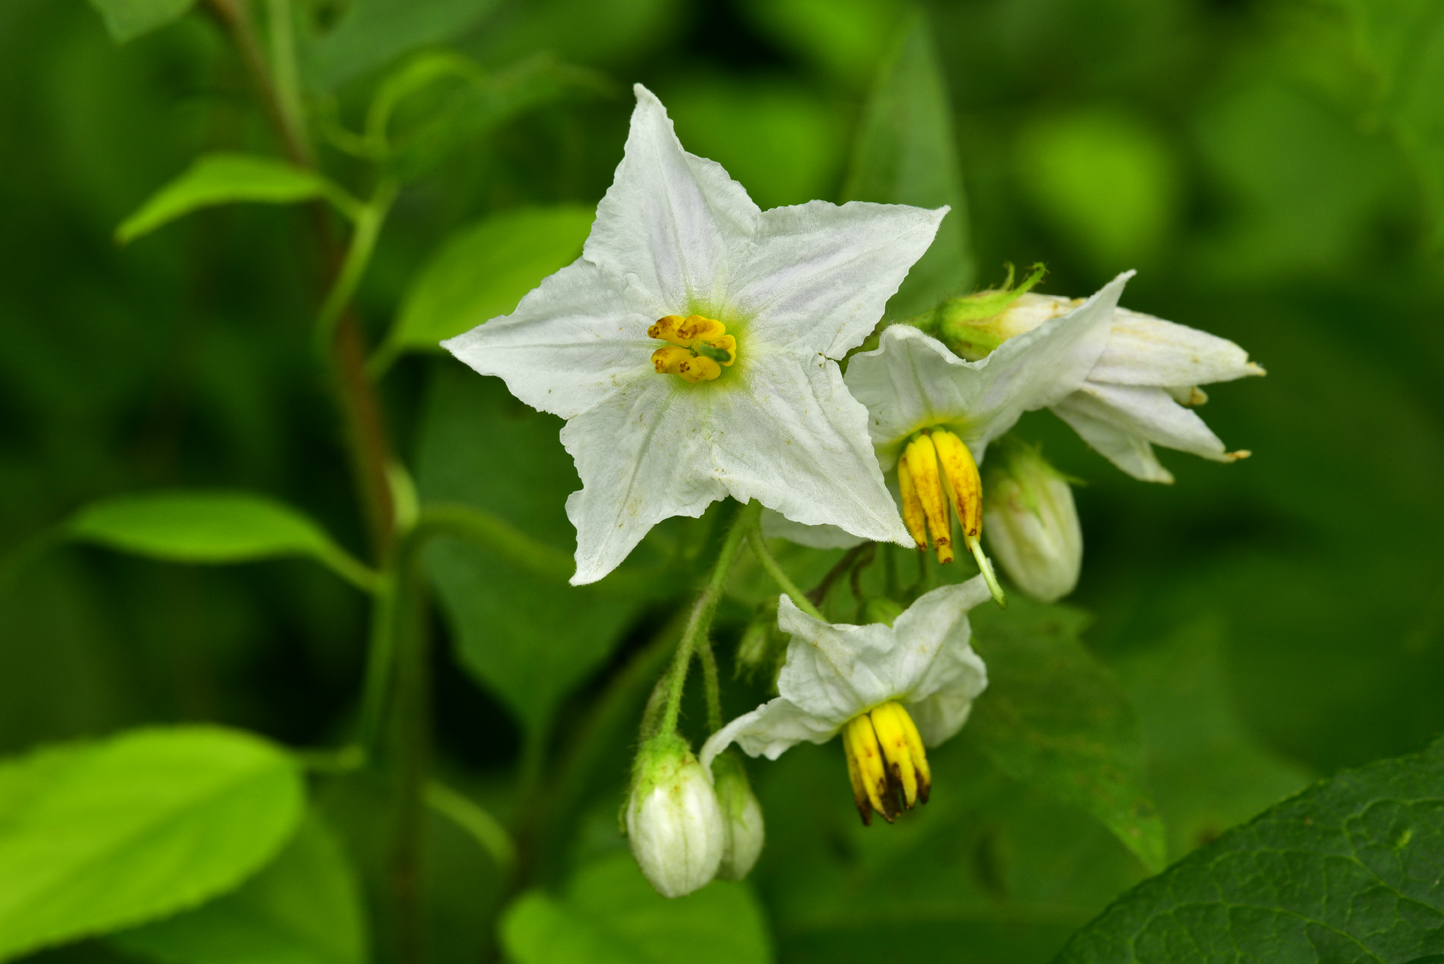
column 1030, row 521
column 741, row 815
column 673, row 820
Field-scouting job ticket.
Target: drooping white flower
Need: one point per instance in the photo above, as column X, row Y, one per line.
column 931, row 414
column 693, row 349
column 1032, row 522
column 1136, row 392
column 674, row 823
column 890, row 690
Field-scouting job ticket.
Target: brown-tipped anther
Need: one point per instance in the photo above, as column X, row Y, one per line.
column 922, row 465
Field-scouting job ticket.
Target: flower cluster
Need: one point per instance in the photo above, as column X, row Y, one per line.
column 695, row 351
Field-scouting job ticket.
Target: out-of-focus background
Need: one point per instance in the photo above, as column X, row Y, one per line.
column 1272, row 170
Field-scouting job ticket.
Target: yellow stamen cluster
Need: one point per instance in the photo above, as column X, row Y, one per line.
column 886, row 762
column 936, row 469
column 699, row 347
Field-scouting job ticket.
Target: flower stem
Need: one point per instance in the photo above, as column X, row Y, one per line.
column 700, row 618
column 710, row 687
column 783, row 580
column 358, row 255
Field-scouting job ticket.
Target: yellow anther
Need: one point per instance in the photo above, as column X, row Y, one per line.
column 860, row 743
column 885, row 762
column 699, row 348
column 960, row 479
column 912, row 506
column 892, row 738
column 922, row 465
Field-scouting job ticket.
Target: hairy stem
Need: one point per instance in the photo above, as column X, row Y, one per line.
column 709, row 684
column 783, row 580
column 699, row 620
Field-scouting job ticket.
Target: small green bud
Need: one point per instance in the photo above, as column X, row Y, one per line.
column 741, row 815
column 1030, row 521
column 674, row 823
column 763, row 646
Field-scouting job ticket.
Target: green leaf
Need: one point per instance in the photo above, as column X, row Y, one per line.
column 1105, row 180
column 99, row 836
column 211, row 527
column 1345, row 871
column 1404, row 40
column 304, row 908
column 128, row 19
column 483, row 271
column 225, row 178
column 846, row 38
column 372, row 32
column 611, row 914
column 526, row 638
column 906, row 153
column 1055, row 717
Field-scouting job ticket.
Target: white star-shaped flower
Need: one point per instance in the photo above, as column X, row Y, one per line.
column 693, row 349
column 890, row 690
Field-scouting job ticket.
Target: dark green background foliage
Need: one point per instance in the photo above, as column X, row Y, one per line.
column 1274, row 169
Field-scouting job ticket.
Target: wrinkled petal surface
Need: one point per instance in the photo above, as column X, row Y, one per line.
column 1129, row 452
column 571, row 343
column 671, row 221
column 1144, row 350
column 1151, row 414
column 912, row 381
column 817, row 276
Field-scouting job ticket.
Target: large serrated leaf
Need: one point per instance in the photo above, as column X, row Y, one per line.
column 1055, row 717
column 1351, row 869
column 99, row 836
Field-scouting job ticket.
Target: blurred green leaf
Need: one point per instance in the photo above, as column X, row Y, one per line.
column 1055, row 717
column 612, row 34
column 1405, row 43
column 99, row 836
column 1208, row 772
column 128, row 19
column 211, row 527
column 226, row 179
column 846, row 38
column 1345, row 871
column 303, row 908
column 482, row 271
column 906, row 153
column 611, row 915
column 528, row 639
column 441, row 118
column 781, row 141
column 372, row 32
column 1104, row 179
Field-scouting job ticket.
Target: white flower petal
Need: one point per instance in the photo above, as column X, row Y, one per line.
column 569, row 345
column 796, row 441
column 670, row 219
column 817, row 276
column 1144, row 350
column 1152, row 414
column 942, row 715
column 775, row 525
column 835, row 671
column 1127, row 451
column 912, row 380
column 638, row 455
column 769, row 730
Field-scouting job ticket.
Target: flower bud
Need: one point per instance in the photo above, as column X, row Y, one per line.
column 673, row 820
column 1031, row 522
column 741, row 815
column 762, row 646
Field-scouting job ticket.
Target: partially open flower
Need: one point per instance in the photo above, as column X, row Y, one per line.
column 1032, row 522
column 890, row 690
column 673, row 820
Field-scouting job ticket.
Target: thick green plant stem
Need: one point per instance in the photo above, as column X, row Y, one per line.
column 699, row 620
column 783, row 580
